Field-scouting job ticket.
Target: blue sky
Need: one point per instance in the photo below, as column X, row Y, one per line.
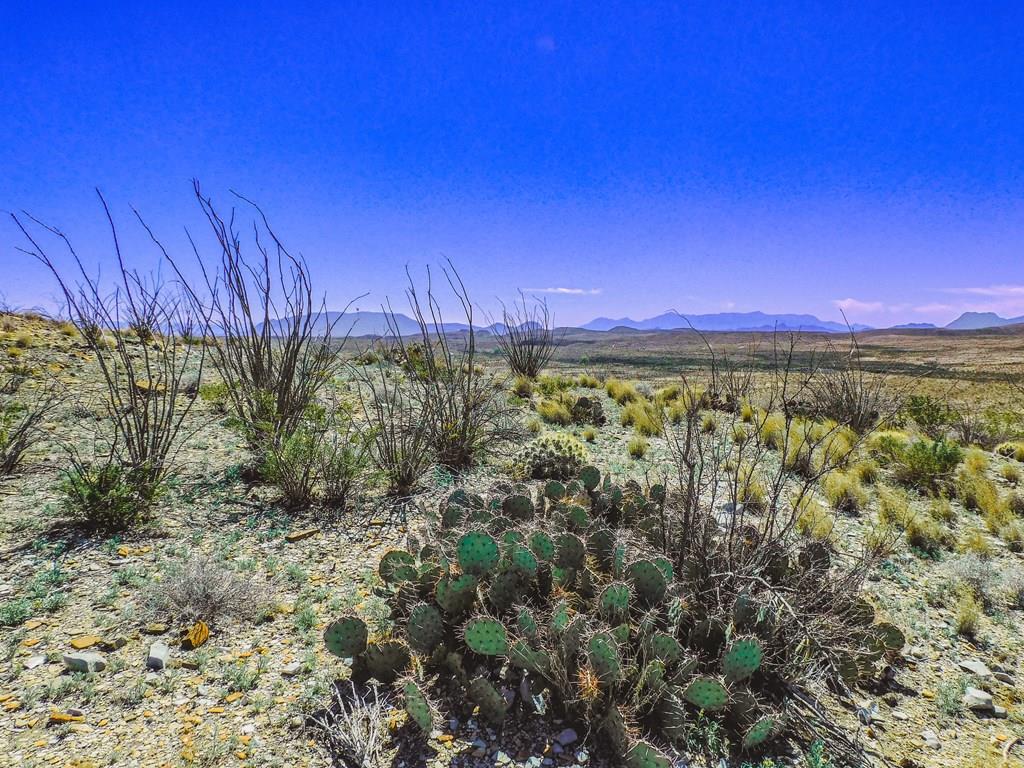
column 802, row 157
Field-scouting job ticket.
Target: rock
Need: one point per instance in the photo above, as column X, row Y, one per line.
column 930, row 739
column 978, row 700
column 567, row 737
column 291, row 670
column 159, row 655
column 999, row 712
column 87, row 661
column 899, row 714
column 155, row 629
column 1003, row 677
column 34, row 661
column 976, row 668
column 300, row 535
column 84, row 641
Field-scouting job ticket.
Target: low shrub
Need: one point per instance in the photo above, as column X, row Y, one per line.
column 1011, row 450
column 204, row 588
column 709, row 423
column 771, row 430
column 976, row 576
column 550, row 386
column 974, row 542
column 522, row 386
column 926, row 464
column 554, row 412
column 107, row 495
column 814, row 520
column 590, row 434
column 620, row 391
column 845, row 493
column 1010, row 473
column 932, row 415
column 215, row 394
column 534, row 426
column 644, row 417
column 967, row 615
column 637, row 447
column 926, row 534
column 587, row 381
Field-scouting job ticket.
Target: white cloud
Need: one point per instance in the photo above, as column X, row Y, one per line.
column 856, row 305
column 566, row 291
column 996, row 291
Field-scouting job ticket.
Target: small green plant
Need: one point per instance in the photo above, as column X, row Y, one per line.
column 15, row 612
column 554, row 412
column 967, row 617
column 108, row 495
column 637, row 447
column 590, row 434
column 815, row 757
column 644, row 416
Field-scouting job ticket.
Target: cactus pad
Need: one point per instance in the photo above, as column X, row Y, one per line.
column 889, row 636
column 577, row 517
column 542, row 546
column 554, row 490
column 665, row 648
column 522, row 655
column 386, row 660
column 426, row 628
column 518, row 507
column 526, row 623
column 486, row 637
column 477, row 552
column 506, row 590
column 643, row 755
column 648, row 581
column 397, row 566
column 613, row 604
column 492, row 704
column 706, row 693
column 604, row 657
column 418, row 707
column 760, row 732
column 590, row 477
column 742, row 659
column 522, row 559
column 346, row 637
column 456, row 595
column 571, row 551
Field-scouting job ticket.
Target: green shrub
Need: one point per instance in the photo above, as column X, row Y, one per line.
column 967, row 615
column 637, row 447
column 550, row 386
column 845, row 493
column 590, row 434
column 587, row 381
column 709, row 423
column 926, row 534
column 554, row 412
column 215, row 394
column 522, row 387
column 925, row 463
column 620, row 391
column 108, row 495
column 930, row 414
column 644, row 417
column 1010, row 473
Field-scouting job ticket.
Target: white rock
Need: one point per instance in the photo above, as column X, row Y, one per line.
column 86, row 661
column 159, row 655
column 978, row 700
column 930, row 739
column 34, row 661
column 976, row 668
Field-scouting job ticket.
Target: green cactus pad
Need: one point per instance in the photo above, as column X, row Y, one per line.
column 665, row 648
column 603, row 654
column 657, row 493
column 613, row 726
column 492, row 704
column 520, row 654
column 570, row 551
column 590, row 477
column 477, row 552
column 397, row 566
column 613, row 604
column 386, row 660
column 600, row 544
column 643, row 755
column 425, row 628
column 889, row 636
column 760, row 732
column 523, row 560
column 648, row 581
column 456, row 595
column 742, row 659
column 708, row 635
column 665, row 567
column 577, row 517
column 346, row 637
column 621, row 633
column 526, row 623
column 619, row 560
column 418, row 707
column 560, row 617
column 486, row 637
column 518, row 507
column 506, row 590
column 542, row 546
column 554, row 490
column 706, row 693
column 652, row 678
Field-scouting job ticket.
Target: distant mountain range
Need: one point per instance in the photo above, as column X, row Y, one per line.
column 724, row 321
column 972, row 321
column 375, row 323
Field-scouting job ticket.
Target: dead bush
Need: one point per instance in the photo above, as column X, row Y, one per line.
column 204, row 588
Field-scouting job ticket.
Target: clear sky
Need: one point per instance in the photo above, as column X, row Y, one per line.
column 699, row 156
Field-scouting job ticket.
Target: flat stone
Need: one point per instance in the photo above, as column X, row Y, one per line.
column 1003, row 677
column 899, row 714
column 159, row 655
column 978, row 700
column 976, row 668
column 567, row 737
column 999, row 712
column 291, row 670
column 300, row 535
column 34, row 661
column 84, row 641
column 155, row 629
column 86, row 661
column 930, row 739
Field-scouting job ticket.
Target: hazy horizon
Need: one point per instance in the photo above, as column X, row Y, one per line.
column 621, row 164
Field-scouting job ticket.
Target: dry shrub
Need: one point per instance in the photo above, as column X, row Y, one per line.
column 203, row 588
column 354, row 730
column 525, row 336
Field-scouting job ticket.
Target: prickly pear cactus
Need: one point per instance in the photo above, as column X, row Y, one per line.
column 426, row 628
column 742, row 659
column 418, row 706
column 486, row 637
column 477, row 552
column 346, row 637
column 707, row 693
